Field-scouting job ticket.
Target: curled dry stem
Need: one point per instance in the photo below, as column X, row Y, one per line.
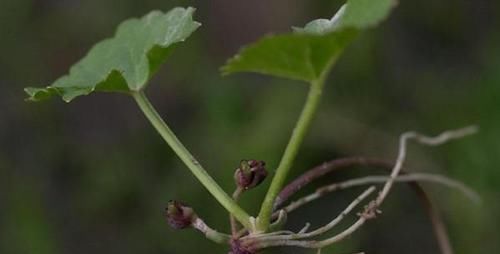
column 371, row 210
column 367, row 180
column 422, row 139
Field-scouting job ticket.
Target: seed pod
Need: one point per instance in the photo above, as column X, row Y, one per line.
column 179, row 215
column 250, row 174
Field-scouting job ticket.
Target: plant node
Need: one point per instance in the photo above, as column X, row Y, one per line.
column 371, row 211
column 238, row 248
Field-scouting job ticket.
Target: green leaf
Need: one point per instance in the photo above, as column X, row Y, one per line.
column 127, row 61
column 310, row 52
column 294, row 56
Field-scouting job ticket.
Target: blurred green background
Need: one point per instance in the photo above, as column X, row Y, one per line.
column 93, row 176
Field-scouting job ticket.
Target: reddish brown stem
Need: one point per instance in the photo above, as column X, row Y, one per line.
column 324, row 169
column 437, row 221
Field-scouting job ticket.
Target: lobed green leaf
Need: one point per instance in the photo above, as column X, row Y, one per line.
column 309, row 52
column 127, row 61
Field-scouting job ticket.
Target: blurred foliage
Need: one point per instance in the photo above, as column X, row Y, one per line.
column 93, row 176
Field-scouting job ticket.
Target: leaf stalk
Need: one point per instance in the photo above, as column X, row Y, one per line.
column 194, row 166
column 291, row 150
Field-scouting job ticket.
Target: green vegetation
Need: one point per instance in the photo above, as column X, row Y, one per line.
column 127, row 62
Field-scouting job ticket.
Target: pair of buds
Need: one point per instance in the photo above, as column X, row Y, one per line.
column 248, row 175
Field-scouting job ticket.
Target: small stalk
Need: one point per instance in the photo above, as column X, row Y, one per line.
column 210, row 233
column 232, row 221
column 220, row 195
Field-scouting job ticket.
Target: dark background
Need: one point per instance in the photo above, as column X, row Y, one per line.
column 93, row 176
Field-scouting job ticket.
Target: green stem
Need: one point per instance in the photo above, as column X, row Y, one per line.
column 291, row 150
column 211, row 234
column 224, row 199
column 217, row 237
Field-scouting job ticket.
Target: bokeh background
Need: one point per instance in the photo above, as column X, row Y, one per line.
column 93, row 176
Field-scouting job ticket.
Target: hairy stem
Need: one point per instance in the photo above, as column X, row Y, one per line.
column 220, row 195
column 291, row 150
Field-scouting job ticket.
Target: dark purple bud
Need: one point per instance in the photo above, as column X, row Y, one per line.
column 250, row 174
column 179, row 215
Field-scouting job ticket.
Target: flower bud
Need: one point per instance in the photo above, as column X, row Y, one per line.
column 179, row 215
column 250, row 174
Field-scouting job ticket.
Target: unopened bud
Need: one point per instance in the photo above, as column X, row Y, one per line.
column 250, row 174
column 179, row 215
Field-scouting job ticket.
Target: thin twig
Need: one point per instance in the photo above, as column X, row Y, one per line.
column 305, row 228
column 342, row 163
column 367, row 180
column 324, row 169
column 328, row 226
column 431, row 141
column 315, row 244
column 345, row 163
column 232, row 220
column 372, row 209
